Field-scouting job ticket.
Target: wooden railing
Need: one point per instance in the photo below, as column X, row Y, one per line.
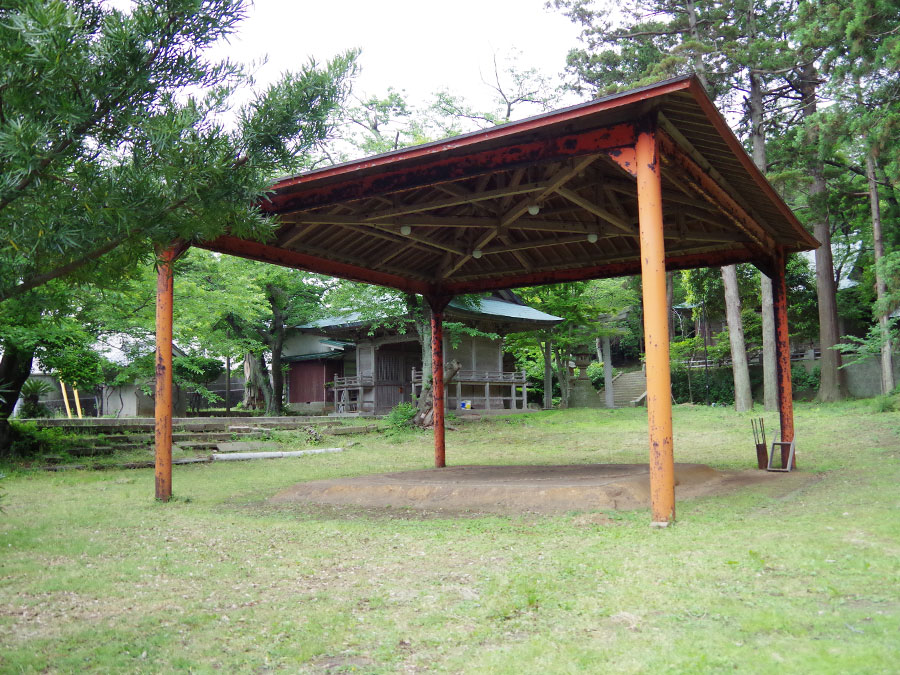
column 348, row 392
column 354, row 381
column 499, row 389
column 479, row 377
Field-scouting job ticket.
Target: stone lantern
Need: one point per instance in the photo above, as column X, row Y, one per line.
column 583, row 357
column 583, row 394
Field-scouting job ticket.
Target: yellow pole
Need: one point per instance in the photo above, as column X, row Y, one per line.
column 77, row 401
column 65, row 398
column 656, row 329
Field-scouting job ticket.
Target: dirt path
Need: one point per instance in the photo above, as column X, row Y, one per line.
column 524, row 489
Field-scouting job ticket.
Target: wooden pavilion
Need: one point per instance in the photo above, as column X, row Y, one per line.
column 644, row 181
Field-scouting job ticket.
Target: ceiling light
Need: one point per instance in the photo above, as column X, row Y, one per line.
column 405, row 230
column 592, row 237
column 534, row 209
column 476, row 253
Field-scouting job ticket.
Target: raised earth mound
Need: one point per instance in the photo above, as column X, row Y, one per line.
column 518, row 489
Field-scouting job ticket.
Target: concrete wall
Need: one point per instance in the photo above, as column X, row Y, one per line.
column 313, row 407
column 130, row 401
column 863, row 378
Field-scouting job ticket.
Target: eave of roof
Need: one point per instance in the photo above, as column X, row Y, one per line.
column 489, row 308
column 415, row 218
column 463, row 141
column 508, row 312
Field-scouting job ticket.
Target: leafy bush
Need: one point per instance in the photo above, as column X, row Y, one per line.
column 30, row 394
column 721, row 385
column 401, row 417
column 26, row 441
column 805, row 380
column 885, row 403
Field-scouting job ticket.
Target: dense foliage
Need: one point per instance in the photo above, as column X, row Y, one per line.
column 113, row 140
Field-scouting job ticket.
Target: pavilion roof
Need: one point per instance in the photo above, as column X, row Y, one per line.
column 547, row 199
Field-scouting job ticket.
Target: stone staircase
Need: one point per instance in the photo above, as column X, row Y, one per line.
column 628, row 388
column 98, row 437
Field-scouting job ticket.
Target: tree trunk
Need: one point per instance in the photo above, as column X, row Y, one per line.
column 15, row 367
column 562, row 376
column 420, row 313
column 607, row 374
column 831, row 386
column 887, row 361
column 548, row 375
column 275, row 405
column 770, row 370
column 758, row 141
column 743, row 399
column 425, row 416
column 257, row 388
column 697, row 57
column 227, row 385
column 275, row 340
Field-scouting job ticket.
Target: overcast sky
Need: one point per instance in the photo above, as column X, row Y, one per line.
column 419, row 46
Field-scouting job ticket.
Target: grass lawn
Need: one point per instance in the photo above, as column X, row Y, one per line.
column 794, row 576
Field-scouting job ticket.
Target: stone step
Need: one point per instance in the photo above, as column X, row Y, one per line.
column 91, row 451
column 246, row 446
column 340, row 431
column 146, row 424
column 628, row 387
column 198, row 445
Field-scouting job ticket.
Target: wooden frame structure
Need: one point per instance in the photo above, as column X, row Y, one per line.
column 640, row 182
column 494, row 386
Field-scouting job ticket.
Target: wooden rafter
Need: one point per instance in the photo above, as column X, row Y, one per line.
column 396, row 252
column 455, row 201
column 538, row 243
column 295, row 234
column 704, row 184
column 317, row 261
column 520, row 209
column 669, row 196
column 591, row 207
column 670, row 133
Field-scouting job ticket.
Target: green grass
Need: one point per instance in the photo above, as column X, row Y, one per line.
column 96, row 576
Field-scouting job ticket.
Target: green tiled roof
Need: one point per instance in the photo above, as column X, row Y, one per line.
column 489, row 308
column 508, row 311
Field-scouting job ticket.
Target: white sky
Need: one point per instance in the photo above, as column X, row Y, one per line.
column 417, row 46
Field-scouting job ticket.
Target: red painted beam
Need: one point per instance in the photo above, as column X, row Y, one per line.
column 621, row 269
column 254, row 250
column 296, row 196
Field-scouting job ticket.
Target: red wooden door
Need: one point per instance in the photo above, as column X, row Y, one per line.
column 308, row 379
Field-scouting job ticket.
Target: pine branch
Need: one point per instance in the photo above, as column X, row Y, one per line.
column 104, row 109
column 68, row 268
column 857, row 170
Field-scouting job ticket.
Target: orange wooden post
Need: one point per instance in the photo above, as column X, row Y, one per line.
column 437, row 377
column 783, row 357
column 656, row 329
column 163, row 400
